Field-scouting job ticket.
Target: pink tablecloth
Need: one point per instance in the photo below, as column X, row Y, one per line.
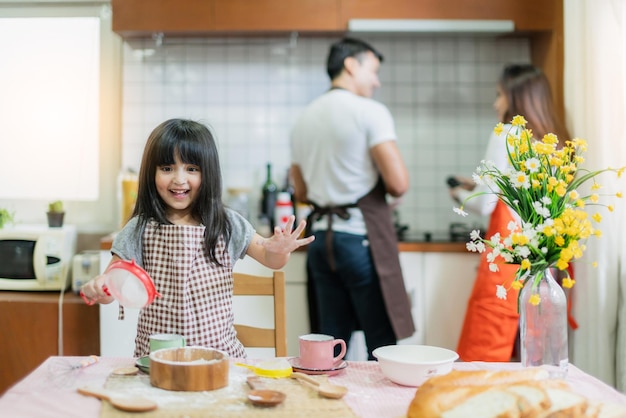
column 50, row 390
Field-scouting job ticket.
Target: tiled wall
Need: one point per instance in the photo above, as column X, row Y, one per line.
column 250, row 91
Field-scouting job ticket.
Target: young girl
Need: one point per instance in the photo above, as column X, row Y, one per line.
column 188, row 242
column 491, row 324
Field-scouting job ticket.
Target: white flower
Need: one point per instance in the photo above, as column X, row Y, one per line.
column 480, row 246
column 519, row 179
column 508, row 257
column 491, row 257
column 500, row 292
column 511, row 226
column 546, row 200
column 472, row 246
column 523, row 251
column 460, row 211
column 533, row 165
column 495, row 239
column 493, row 267
column 541, row 210
column 475, row 234
column 544, row 250
column 478, row 179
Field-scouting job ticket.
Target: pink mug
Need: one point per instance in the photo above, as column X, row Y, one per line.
column 317, row 351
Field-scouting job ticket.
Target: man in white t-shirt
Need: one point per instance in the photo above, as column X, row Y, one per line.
column 344, row 162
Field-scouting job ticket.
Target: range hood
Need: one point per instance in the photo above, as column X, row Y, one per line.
column 441, row 26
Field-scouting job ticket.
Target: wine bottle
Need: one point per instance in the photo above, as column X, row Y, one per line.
column 268, row 197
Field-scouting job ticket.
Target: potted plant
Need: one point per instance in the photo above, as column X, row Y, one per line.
column 55, row 214
column 5, row 217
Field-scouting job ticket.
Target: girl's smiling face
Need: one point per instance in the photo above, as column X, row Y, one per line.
column 178, row 186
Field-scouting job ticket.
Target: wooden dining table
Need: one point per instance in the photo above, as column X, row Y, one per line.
column 51, row 391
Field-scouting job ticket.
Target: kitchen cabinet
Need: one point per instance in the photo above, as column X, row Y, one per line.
column 143, row 18
column 438, row 285
column 174, row 17
column 448, row 280
column 277, row 16
column 136, row 17
column 31, row 324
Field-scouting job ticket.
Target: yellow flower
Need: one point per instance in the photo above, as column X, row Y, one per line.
column 561, row 264
column 498, row 129
column 618, row 195
column 579, row 143
column 594, row 198
column 611, row 208
column 573, row 195
column 519, row 239
column 568, row 283
column 550, row 139
column 597, row 233
column 595, row 186
column 559, row 241
column 525, row 265
column 594, row 264
column 517, row 284
column 534, row 299
column 597, row 217
column 519, row 121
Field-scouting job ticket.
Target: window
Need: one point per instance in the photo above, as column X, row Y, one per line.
column 49, row 108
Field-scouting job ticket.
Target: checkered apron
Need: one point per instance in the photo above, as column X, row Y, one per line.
column 196, row 293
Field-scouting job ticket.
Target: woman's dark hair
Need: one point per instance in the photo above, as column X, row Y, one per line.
column 347, row 47
column 194, row 144
column 528, row 94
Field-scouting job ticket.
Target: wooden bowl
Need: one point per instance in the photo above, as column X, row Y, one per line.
column 189, row 369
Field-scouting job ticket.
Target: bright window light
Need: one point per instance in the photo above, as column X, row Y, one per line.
column 49, row 108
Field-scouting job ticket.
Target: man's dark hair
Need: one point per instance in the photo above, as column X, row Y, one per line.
column 347, row 47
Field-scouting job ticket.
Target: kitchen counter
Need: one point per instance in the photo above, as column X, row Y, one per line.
column 438, row 243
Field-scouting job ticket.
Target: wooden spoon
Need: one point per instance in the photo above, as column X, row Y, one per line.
column 327, row 390
column 124, row 404
column 263, row 397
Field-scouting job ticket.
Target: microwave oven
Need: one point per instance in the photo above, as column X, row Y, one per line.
column 36, row 257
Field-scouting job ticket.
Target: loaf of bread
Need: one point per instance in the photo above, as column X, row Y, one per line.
column 527, row 393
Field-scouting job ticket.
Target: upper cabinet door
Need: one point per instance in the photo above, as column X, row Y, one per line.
column 141, row 17
column 277, row 15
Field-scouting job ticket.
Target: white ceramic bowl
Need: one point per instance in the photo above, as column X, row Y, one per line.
column 412, row 365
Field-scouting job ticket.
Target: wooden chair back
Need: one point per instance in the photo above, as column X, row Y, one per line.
column 274, row 286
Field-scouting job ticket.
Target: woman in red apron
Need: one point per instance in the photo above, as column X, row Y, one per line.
column 491, row 324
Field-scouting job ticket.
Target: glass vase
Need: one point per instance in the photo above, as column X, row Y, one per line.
column 543, row 324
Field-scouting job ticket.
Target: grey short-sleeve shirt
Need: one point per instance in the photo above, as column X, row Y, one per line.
column 127, row 243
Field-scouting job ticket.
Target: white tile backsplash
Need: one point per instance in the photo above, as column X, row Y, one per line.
column 250, row 91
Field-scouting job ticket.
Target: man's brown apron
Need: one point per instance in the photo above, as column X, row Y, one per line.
column 384, row 248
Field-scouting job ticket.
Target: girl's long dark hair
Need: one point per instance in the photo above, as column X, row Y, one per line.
column 194, row 144
column 528, row 94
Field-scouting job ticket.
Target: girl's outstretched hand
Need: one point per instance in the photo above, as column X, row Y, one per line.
column 284, row 241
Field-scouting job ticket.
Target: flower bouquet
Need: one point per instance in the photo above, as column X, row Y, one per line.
column 540, row 186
